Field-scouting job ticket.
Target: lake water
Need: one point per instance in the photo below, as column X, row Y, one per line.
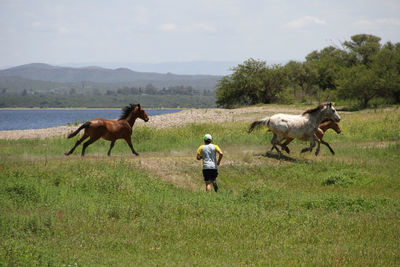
column 45, row 118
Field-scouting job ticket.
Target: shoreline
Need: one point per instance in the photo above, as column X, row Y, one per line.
column 183, row 117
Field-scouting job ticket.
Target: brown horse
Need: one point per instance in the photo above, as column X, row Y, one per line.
column 322, row 128
column 110, row 130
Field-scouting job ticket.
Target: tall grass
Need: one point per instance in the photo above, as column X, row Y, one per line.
column 297, row 210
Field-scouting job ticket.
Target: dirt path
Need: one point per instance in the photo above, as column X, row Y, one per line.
column 166, row 120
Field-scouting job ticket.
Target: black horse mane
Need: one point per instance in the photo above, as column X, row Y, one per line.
column 127, row 110
column 312, row 110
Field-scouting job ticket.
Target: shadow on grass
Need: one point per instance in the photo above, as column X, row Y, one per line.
column 277, row 156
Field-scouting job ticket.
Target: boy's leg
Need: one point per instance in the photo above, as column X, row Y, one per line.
column 214, row 181
column 215, row 185
column 206, row 176
column 208, row 186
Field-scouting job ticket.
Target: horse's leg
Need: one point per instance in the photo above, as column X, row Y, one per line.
column 274, row 142
column 277, row 149
column 90, row 141
column 325, row 143
column 318, row 144
column 284, row 145
column 312, row 145
column 76, row 144
column 318, row 148
column 128, row 140
column 111, row 146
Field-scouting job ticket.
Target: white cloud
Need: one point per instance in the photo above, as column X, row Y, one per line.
column 168, row 27
column 304, row 22
column 196, row 27
column 378, row 23
column 64, row 30
column 206, row 27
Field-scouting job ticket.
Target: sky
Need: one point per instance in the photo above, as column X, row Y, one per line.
column 58, row 32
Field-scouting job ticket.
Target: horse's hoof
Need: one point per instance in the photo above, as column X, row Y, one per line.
column 66, row 154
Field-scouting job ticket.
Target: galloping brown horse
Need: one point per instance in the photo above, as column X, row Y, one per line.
column 322, row 128
column 110, row 130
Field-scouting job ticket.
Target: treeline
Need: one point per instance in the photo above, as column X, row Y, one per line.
column 102, row 101
column 126, row 90
column 152, row 90
column 361, row 70
column 149, row 96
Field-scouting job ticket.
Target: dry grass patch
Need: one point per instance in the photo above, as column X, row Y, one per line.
column 180, row 170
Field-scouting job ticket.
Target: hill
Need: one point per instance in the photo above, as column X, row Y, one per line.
column 43, row 76
column 185, row 68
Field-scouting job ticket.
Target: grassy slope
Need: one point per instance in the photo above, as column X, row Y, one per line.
column 152, row 210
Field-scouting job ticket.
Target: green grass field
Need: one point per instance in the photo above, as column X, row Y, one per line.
column 341, row 210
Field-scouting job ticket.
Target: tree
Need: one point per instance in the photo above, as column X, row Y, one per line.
column 300, row 74
column 376, row 72
column 274, row 81
column 251, row 82
column 386, row 65
column 150, row 89
column 72, row 91
column 359, row 82
column 241, row 87
column 362, row 48
column 361, row 69
column 326, row 65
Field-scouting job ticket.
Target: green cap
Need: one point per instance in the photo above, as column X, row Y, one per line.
column 207, row 137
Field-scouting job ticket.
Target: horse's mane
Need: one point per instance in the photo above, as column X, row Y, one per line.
column 310, row 111
column 126, row 111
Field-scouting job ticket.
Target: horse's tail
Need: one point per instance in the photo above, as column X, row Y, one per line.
column 255, row 124
column 83, row 126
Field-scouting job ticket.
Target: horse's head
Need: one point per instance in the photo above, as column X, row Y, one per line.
column 334, row 125
column 330, row 112
column 141, row 113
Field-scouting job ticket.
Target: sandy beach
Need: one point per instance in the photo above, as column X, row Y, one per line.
column 166, row 120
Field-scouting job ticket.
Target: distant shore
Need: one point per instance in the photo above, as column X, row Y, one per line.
column 37, row 108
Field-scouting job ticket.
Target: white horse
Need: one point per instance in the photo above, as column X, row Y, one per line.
column 302, row 126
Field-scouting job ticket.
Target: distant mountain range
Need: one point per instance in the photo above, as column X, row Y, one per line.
column 44, row 77
column 185, row 68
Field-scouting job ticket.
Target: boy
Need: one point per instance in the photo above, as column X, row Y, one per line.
column 208, row 152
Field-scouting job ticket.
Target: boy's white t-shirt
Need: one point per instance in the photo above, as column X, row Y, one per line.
column 209, row 155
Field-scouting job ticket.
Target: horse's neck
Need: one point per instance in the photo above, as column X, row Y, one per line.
column 131, row 119
column 318, row 118
column 325, row 126
column 314, row 120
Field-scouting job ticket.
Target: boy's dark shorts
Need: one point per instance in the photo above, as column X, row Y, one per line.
column 210, row 175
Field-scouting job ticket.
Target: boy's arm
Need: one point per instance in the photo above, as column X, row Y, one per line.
column 220, row 155
column 199, row 156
